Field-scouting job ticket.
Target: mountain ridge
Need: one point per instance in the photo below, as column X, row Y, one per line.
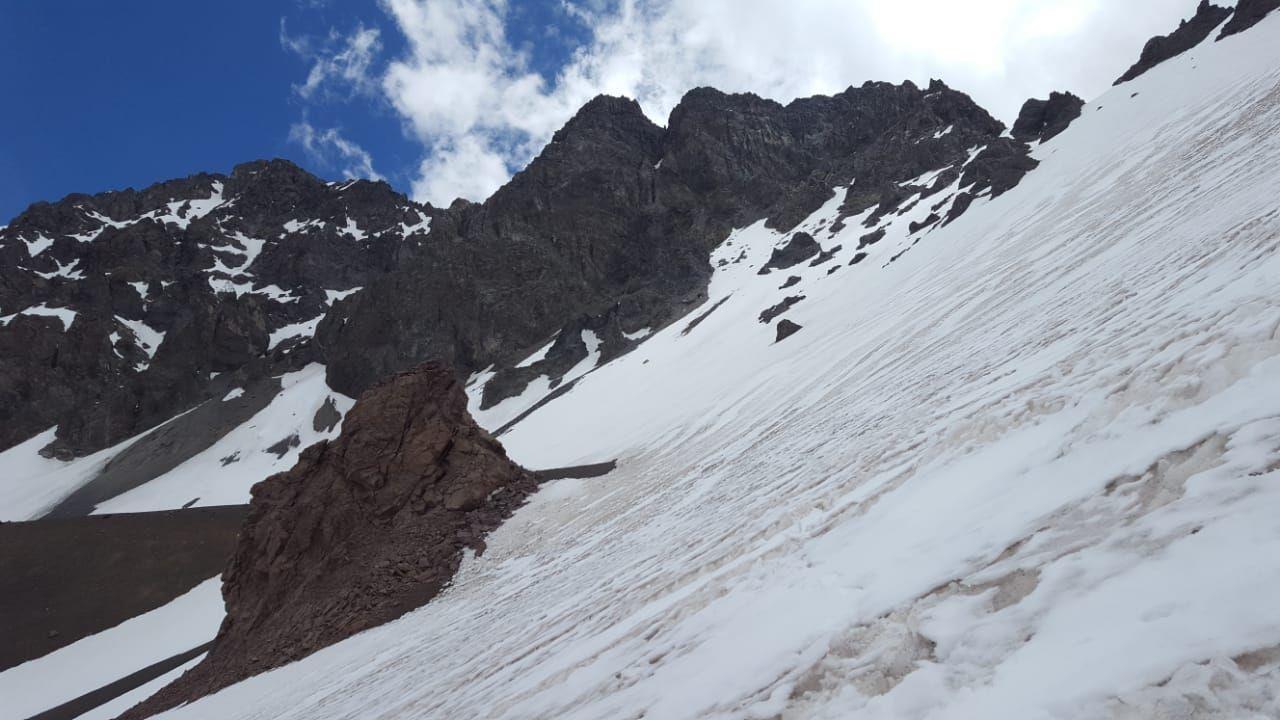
column 621, row 212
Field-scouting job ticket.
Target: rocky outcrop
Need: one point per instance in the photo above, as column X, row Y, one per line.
column 1247, row 14
column 768, row 314
column 995, row 170
column 1189, row 34
column 799, row 247
column 1041, row 120
column 363, row 529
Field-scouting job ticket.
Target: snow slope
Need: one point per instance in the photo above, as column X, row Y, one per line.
column 186, row 622
column 1030, row 469
column 224, row 473
column 31, row 485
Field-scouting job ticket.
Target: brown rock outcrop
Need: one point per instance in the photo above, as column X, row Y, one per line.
column 362, row 530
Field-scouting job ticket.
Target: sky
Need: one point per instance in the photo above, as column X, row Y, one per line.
column 448, row 98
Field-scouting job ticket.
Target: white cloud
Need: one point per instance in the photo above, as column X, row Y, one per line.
column 330, row 148
column 337, row 61
column 468, row 95
column 471, row 168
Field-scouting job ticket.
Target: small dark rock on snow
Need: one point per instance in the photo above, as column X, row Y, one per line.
column 786, row 329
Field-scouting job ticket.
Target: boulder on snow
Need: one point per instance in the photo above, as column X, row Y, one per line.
column 363, row 529
column 786, row 329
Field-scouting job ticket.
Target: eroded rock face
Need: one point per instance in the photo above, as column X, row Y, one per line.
column 1248, row 13
column 1189, row 34
column 363, row 529
column 1043, row 119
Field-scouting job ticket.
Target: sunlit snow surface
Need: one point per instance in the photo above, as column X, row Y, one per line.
column 1029, row 470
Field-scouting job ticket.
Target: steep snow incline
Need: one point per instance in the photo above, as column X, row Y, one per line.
column 1030, row 469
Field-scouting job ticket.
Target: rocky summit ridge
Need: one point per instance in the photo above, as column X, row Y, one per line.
column 121, row 309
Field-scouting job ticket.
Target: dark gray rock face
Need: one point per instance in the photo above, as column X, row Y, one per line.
column 1189, row 34
column 618, row 215
column 999, row 167
column 1248, row 13
column 166, row 286
column 1043, row 119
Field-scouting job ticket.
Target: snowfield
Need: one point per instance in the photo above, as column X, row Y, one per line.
column 1030, row 469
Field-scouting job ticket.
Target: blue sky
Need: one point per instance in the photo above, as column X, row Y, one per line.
column 106, row 95
column 447, row 98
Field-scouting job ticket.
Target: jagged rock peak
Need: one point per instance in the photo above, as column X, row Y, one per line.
column 709, row 97
column 1248, row 13
column 1043, row 119
column 272, row 167
column 362, row 530
column 606, row 112
column 1189, row 34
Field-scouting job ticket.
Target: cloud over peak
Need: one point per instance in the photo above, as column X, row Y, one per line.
column 467, row 94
